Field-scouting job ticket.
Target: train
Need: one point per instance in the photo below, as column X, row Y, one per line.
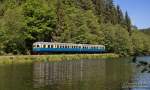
column 53, row 47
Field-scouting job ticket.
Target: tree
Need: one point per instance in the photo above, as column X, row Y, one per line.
column 100, row 9
column 60, row 20
column 128, row 23
column 120, row 16
column 117, row 40
column 12, row 31
column 80, row 26
column 40, row 21
column 86, row 4
column 140, row 42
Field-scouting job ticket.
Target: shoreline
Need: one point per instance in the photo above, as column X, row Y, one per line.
column 54, row 57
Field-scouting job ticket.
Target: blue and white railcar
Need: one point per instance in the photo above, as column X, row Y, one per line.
column 49, row 47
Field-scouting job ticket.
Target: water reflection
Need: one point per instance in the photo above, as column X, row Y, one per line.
column 108, row 74
column 82, row 74
column 16, row 77
column 67, row 72
column 141, row 76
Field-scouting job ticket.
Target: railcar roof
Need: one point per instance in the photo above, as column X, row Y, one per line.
column 63, row 43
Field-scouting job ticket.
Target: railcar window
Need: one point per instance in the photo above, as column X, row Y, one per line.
column 57, row 46
column 48, row 46
column 52, row 46
column 44, row 46
column 38, row 46
column 60, row 46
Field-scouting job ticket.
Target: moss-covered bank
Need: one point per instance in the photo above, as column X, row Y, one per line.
column 32, row 58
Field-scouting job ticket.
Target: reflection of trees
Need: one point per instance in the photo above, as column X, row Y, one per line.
column 66, row 75
column 81, row 74
column 118, row 72
column 17, row 76
column 77, row 72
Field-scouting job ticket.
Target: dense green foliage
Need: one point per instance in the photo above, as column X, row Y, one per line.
column 146, row 31
column 23, row 22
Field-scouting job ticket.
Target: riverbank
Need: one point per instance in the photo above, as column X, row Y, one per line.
column 32, row 58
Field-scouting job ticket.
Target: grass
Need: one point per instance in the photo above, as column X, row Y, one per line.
column 57, row 57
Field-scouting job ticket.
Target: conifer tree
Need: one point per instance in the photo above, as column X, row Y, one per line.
column 128, row 23
column 86, row 4
column 60, row 20
column 100, row 9
column 119, row 15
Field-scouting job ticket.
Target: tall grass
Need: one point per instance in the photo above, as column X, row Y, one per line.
column 58, row 57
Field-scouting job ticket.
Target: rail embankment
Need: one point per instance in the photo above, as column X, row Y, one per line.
column 55, row 57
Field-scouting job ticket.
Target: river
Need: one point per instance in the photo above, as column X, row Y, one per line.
column 108, row 74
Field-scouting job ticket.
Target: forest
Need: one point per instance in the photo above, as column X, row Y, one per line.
column 23, row 22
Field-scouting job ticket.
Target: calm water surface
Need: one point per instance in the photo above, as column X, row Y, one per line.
column 111, row 74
